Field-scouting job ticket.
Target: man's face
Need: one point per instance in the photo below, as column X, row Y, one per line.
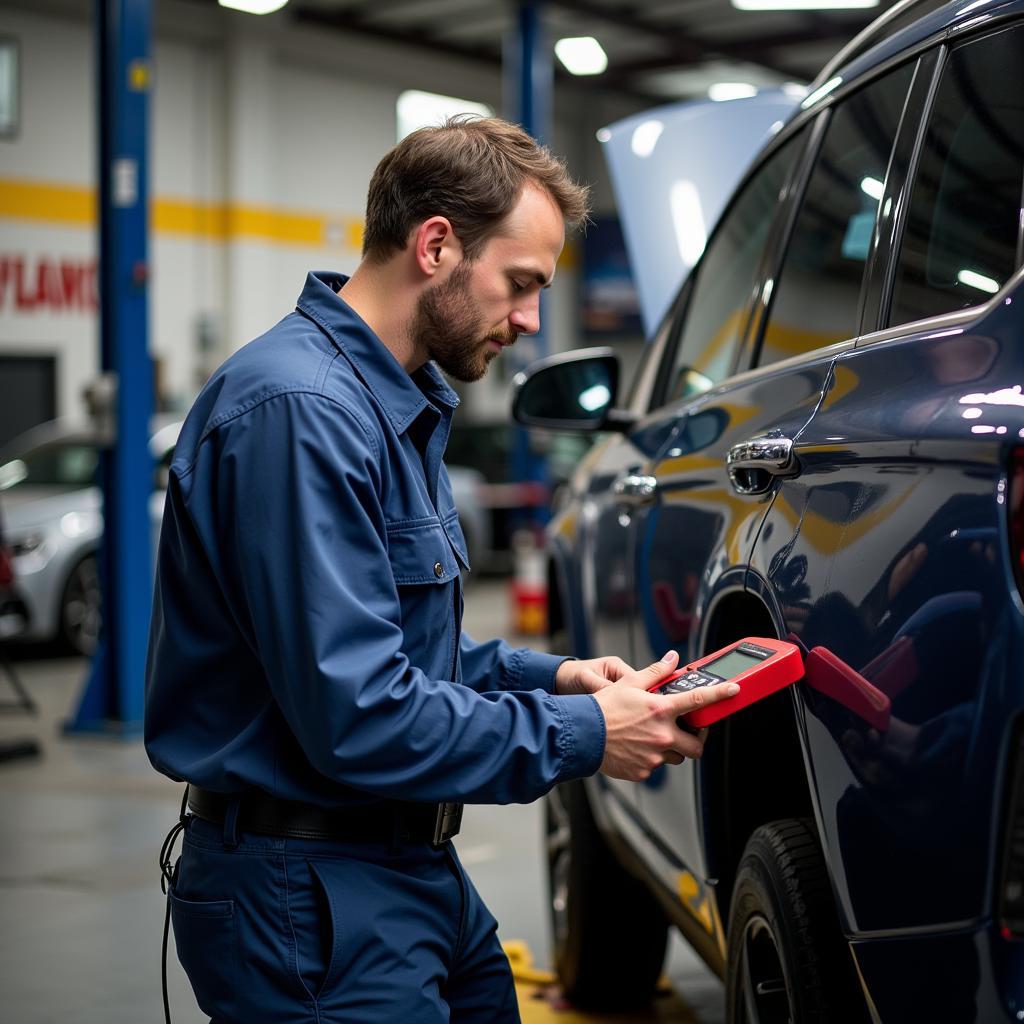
column 483, row 305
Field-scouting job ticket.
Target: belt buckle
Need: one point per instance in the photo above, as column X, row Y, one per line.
column 447, row 823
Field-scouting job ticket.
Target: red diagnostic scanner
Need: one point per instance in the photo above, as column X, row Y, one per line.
column 761, row 667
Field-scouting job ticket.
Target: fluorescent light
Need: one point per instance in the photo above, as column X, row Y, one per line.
column 872, row 187
column 822, row 91
column 645, row 137
column 979, row 281
column 416, row 109
column 688, row 221
column 721, row 91
column 581, row 55
column 804, row 5
column 253, row 6
column 595, row 397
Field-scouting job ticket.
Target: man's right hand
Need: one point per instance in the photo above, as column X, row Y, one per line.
column 642, row 733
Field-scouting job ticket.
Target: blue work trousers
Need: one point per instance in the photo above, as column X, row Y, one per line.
column 294, row 931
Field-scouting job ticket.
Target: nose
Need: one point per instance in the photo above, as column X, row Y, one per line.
column 525, row 317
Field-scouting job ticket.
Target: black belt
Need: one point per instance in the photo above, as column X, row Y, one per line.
column 267, row 815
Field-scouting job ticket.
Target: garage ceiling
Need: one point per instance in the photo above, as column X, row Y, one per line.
column 657, row 49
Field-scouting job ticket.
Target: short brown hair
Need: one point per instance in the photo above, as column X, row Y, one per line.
column 469, row 169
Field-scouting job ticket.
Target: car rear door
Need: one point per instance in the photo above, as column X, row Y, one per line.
column 895, row 563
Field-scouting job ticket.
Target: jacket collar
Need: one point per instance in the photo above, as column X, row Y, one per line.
column 401, row 396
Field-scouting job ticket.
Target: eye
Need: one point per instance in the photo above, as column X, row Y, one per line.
column 518, row 286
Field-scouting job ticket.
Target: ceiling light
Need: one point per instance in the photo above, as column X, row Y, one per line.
column 973, row 279
column 731, row 91
column 803, row 5
column 253, row 6
column 645, row 137
column 688, row 221
column 823, row 90
column 581, row 55
column 872, row 187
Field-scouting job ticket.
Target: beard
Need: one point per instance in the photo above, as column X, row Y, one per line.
column 450, row 328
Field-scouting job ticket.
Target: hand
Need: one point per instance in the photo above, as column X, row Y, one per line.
column 589, row 676
column 642, row 733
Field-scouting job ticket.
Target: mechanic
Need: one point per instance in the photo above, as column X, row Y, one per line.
column 307, row 673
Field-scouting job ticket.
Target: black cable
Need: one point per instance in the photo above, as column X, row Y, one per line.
column 166, row 883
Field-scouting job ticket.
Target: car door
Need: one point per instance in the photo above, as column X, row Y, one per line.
column 678, row 512
column 693, row 545
column 889, row 552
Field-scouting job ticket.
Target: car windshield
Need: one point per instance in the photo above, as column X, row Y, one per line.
column 68, row 465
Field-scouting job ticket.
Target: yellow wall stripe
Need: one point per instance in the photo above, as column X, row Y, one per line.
column 60, row 204
column 74, row 206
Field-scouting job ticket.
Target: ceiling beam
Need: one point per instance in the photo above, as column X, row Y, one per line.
column 685, row 48
column 344, row 21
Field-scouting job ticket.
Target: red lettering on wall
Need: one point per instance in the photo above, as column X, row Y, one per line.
column 43, row 284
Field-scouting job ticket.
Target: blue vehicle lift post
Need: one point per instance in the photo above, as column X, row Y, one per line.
column 529, row 76
column 112, row 701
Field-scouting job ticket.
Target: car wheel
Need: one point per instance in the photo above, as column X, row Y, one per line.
column 788, row 962
column 81, row 608
column 609, row 933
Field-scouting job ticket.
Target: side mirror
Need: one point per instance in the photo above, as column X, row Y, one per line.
column 570, row 391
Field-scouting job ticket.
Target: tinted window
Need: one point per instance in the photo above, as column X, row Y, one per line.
column 725, row 277
column 66, row 465
column 960, row 239
column 817, row 293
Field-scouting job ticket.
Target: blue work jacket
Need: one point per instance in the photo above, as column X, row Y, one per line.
column 306, row 636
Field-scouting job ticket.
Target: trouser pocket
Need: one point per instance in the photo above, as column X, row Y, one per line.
column 205, row 935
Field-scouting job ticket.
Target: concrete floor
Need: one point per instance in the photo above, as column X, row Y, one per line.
column 82, row 911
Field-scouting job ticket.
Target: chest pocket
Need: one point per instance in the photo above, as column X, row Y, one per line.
column 426, row 556
column 426, row 550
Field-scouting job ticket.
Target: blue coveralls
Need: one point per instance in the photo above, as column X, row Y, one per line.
column 306, row 642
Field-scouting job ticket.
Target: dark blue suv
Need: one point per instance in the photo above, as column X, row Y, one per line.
column 825, row 442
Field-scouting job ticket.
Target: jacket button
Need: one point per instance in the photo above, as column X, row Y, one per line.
column 438, row 570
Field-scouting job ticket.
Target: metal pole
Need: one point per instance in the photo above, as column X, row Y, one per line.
column 113, row 697
column 529, row 77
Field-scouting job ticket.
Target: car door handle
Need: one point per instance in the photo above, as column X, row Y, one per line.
column 755, row 464
column 635, row 488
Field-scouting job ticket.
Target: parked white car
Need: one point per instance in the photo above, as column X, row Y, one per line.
column 54, row 520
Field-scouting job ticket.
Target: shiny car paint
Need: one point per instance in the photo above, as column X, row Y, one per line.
column 889, row 547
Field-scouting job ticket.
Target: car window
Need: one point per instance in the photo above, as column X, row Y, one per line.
column 723, row 282
column 70, row 465
column 960, row 239
column 817, row 292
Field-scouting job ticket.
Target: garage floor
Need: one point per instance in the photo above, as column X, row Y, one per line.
column 82, row 909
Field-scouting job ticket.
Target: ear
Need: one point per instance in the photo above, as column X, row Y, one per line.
column 435, row 247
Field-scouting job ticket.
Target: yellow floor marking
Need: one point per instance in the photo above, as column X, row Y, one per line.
column 541, row 1002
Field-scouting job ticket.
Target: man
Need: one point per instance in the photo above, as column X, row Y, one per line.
column 307, row 672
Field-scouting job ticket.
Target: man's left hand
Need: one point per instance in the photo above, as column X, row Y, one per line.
column 574, row 677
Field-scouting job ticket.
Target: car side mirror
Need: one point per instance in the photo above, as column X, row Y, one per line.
column 570, row 391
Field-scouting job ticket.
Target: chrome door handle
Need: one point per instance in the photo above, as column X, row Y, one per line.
column 755, row 464
column 635, row 488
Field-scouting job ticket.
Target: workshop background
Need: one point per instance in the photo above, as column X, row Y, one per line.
column 260, row 137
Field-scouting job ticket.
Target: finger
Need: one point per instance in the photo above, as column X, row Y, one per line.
column 687, row 745
column 672, row 757
column 590, row 681
column 646, row 678
column 702, row 696
column 616, row 668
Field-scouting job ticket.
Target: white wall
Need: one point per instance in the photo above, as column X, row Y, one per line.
column 251, row 117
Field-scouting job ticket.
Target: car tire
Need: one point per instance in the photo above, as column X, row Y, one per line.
column 787, row 958
column 81, row 608
column 609, row 932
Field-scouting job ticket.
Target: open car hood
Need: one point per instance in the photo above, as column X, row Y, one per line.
column 674, row 169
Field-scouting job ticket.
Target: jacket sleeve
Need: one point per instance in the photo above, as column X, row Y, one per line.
column 494, row 665
column 299, row 525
